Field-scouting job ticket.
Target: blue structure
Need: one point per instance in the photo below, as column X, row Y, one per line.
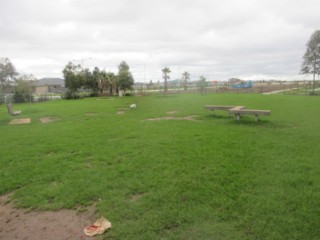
column 247, row 84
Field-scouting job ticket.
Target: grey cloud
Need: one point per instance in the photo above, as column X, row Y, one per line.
column 214, row 38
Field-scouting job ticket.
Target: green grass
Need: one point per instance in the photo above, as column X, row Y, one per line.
column 214, row 178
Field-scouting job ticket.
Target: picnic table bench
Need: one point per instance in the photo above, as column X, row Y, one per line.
column 218, row 107
column 221, row 107
column 256, row 113
column 10, row 110
column 239, row 110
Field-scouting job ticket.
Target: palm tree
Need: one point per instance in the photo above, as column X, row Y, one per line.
column 103, row 81
column 112, row 82
column 186, row 78
column 108, row 80
column 165, row 72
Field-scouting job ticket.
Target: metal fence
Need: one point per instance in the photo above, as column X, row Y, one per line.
column 263, row 87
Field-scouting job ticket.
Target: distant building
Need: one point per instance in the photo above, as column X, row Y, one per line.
column 49, row 85
column 233, row 81
column 212, row 82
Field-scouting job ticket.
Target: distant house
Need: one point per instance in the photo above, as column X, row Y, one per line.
column 49, row 85
column 213, row 82
column 233, row 81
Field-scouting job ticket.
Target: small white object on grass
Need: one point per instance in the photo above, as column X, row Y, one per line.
column 133, row 106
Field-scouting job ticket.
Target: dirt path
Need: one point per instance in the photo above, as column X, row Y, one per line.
column 60, row 225
column 279, row 91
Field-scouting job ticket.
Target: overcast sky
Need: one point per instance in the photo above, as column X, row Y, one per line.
column 249, row 39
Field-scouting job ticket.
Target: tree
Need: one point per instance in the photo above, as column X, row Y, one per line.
column 108, row 80
column 125, row 80
column 91, row 80
column 73, row 78
column 202, row 85
column 186, row 78
column 150, row 85
column 7, row 74
column 24, row 88
column 311, row 59
column 102, row 82
column 166, row 76
column 112, row 81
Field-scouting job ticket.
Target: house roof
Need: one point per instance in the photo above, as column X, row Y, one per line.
column 50, row 82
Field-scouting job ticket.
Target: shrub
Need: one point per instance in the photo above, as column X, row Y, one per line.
column 22, row 98
column 71, row 95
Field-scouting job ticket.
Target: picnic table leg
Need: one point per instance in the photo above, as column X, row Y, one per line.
column 257, row 118
column 238, row 117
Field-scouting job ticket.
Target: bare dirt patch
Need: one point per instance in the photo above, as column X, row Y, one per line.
column 135, row 197
column 20, row 121
column 48, row 119
column 92, row 114
column 49, row 225
column 122, row 111
column 188, row 118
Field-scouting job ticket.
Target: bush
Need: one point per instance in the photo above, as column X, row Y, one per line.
column 1, row 98
column 22, row 98
column 315, row 93
column 71, row 95
column 23, row 91
column 94, row 94
column 42, row 98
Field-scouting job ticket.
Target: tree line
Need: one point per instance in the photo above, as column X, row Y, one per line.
column 76, row 78
column 96, row 81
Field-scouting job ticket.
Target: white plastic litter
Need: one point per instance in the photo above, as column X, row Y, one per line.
column 133, row 106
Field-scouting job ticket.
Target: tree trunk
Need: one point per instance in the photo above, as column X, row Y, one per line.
column 165, row 84
column 313, row 82
column 314, row 74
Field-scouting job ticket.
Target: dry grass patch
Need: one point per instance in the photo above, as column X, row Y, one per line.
column 122, row 111
column 135, row 197
column 48, row 119
column 92, row 114
column 171, row 112
column 20, row 121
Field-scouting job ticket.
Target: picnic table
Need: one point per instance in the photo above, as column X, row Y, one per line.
column 237, row 111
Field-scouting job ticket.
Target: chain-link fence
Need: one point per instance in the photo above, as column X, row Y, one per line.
column 263, row 87
column 28, row 98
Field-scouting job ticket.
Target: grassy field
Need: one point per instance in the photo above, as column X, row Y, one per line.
column 213, row 178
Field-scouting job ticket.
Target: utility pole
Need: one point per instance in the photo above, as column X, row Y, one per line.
column 82, row 60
